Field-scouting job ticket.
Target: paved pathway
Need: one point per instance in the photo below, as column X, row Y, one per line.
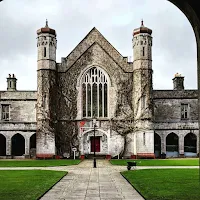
column 84, row 182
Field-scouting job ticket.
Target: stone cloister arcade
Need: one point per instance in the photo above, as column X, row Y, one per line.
column 171, row 144
column 175, row 145
column 17, row 144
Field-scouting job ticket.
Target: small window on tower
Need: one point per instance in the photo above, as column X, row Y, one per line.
column 45, row 52
column 144, row 139
column 143, row 51
column 10, row 84
column 141, row 42
column 143, row 102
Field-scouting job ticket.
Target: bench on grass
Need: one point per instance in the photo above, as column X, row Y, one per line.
column 146, row 155
column 131, row 164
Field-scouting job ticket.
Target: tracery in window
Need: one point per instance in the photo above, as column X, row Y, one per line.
column 95, row 93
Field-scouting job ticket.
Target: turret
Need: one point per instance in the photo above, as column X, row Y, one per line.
column 11, row 83
column 142, row 45
column 142, row 90
column 142, row 73
column 46, row 87
column 46, row 44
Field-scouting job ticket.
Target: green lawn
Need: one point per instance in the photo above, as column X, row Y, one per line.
column 37, row 163
column 166, row 184
column 26, row 185
column 156, row 162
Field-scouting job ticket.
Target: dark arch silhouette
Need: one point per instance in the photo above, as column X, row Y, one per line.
column 157, row 145
column 33, row 141
column 172, row 148
column 18, row 145
column 190, row 145
column 2, row 145
column 32, row 151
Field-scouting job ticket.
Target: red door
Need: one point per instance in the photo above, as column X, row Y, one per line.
column 97, row 144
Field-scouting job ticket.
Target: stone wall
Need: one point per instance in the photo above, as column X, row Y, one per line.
column 46, row 112
column 94, row 36
column 69, row 95
column 167, row 105
column 22, row 116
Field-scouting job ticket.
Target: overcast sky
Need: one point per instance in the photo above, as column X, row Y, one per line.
column 174, row 46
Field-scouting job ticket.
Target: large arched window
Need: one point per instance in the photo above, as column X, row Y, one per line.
column 95, row 93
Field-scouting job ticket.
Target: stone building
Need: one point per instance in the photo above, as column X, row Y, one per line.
column 96, row 82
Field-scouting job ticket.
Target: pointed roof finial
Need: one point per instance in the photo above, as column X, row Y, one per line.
column 142, row 22
column 46, row 23
column 46, row 29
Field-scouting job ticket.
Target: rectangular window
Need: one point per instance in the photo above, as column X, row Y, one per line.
column 144, row 139
column 184, row 111
column 143, row 51
column 5, row 112
column 45, row 52
column 143, row 102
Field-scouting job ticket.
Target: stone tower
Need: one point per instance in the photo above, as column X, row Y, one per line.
column 142, row 90
column 46, row 91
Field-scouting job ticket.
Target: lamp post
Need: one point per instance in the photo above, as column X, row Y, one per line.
column 94, row 161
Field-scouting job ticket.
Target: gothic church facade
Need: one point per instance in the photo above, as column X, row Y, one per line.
column 96, row 82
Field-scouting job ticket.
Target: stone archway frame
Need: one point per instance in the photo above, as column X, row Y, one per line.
column 10, row 134
column 155, row 133
column 185, row 135
column 178, row 142
column 21, row 138
column 102, row 133
column 31, row 152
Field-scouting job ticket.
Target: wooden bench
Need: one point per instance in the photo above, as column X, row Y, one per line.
column 131, row 164
column 146, row 155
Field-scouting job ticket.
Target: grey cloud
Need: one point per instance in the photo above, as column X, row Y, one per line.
column 174, row 47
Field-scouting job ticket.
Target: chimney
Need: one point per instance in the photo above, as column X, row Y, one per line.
column 178, row 81
column 11, row 83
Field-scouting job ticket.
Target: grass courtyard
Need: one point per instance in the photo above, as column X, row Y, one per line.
column 157, row 162
column 26, row 184
column 38, row 163
column 166, row 184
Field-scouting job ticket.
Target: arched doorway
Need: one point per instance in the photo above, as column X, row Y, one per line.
column 172, row 148
column 190, row 145
column 18, row 145
column 101, row 143
column 157, row 145
column 2, row 145
column 33, row 145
